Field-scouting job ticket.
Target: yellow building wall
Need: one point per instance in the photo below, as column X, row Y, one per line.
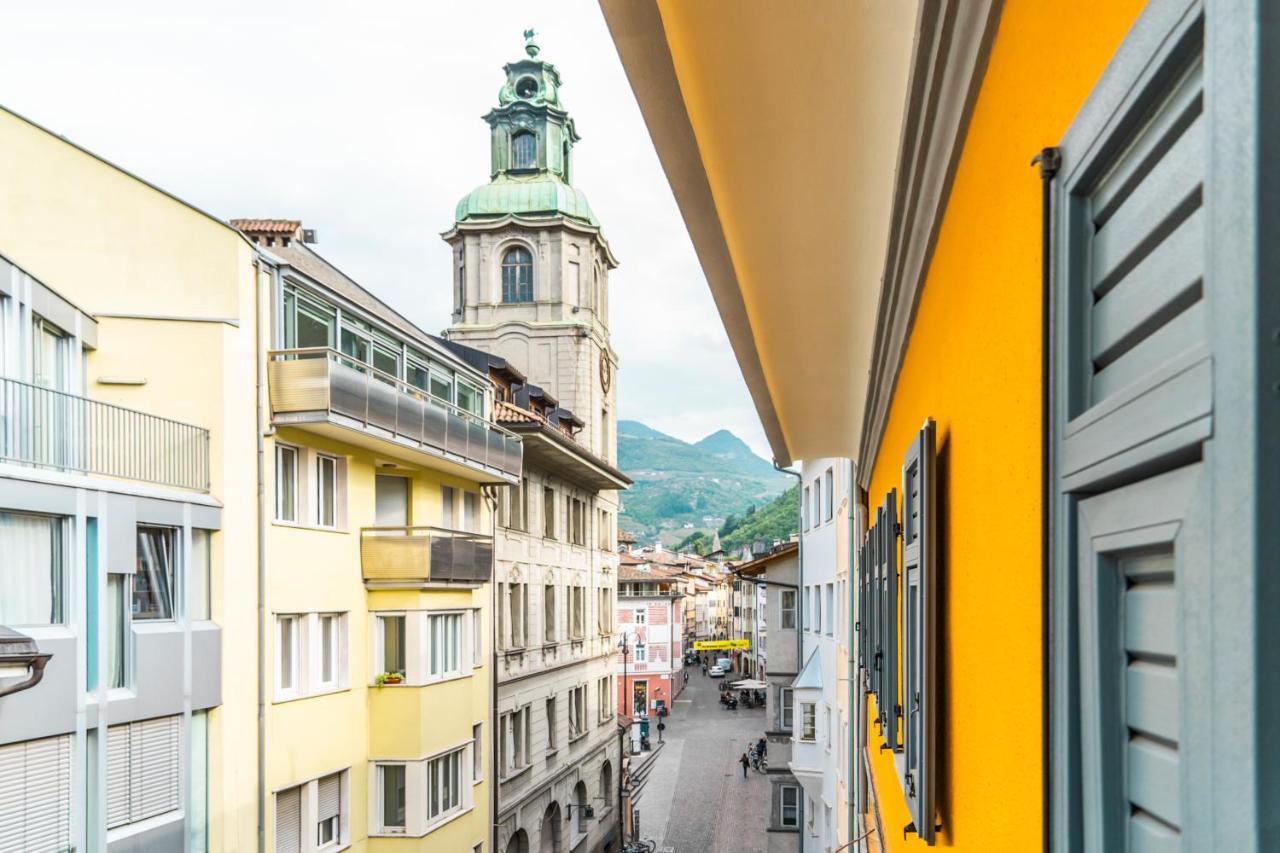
column 114, row 245
column 973, row 364
column 318, row 570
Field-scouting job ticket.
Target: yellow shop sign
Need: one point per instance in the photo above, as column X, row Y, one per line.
column 717, row 645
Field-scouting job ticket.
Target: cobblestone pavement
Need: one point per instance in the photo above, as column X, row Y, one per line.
column 696, row 800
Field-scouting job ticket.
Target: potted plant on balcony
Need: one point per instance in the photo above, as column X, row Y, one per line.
column 385, row 678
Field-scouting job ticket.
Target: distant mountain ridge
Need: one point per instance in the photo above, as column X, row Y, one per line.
column 681, row 488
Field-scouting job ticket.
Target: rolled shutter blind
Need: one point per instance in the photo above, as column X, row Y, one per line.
column 118, row 768
column 329, row 799
column 35, row 796
column 289, row 821
column 153, row 767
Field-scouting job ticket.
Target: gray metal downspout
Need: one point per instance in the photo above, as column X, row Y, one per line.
column 264, row 430
column 491, row 498
column 853, row 772
column 1049, row 160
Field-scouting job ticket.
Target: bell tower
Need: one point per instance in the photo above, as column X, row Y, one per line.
column 531, row 266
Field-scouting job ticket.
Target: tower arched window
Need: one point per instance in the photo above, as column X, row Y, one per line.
column 517, row 275
column 524, row 150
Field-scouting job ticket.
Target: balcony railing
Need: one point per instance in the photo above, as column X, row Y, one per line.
column 53, row 429
column 425, row 554
column 321, row 380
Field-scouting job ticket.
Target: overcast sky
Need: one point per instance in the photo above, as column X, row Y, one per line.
column 363, row 120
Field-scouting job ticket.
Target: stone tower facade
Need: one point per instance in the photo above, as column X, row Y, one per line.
column 530, row 263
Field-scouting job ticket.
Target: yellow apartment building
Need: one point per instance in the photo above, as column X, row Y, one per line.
column 349, row 455
column 1057, row 385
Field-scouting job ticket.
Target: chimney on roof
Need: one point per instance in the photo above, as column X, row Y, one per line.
column 274, row 232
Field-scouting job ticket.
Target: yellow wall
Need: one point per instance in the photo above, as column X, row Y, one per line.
column 111, row 244
column 314, row 570
column 973, row 364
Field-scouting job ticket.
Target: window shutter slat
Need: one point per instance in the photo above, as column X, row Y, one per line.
column 289, row 821
column 35, row 796
column 118, row 769
column 919, row 631
column 329, row 797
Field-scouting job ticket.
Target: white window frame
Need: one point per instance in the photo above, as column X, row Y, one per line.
column 787, row 611
column 337, row 649
column 794, row 823
column 293, row 623
column 808, row 723
column 436, row 628
column 786, row 708
column 380, row 795
column 640, row 653
column 283, row 450
column 379, row 643
column 459, row 786
column 578, row 726
column 332, row 462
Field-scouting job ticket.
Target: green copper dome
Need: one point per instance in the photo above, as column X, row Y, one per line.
column 542, row 194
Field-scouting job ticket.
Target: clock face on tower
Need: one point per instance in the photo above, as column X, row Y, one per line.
column 606, row 372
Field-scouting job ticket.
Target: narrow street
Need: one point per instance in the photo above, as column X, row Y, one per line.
column 696, row 800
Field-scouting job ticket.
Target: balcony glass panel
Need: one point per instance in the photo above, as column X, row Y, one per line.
column 425, row 554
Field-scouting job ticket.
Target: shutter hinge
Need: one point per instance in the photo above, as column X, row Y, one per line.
column 897, row 529
column 1050, row 161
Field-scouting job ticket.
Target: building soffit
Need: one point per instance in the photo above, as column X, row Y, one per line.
column 783, row 171
column 952, row 45
column 640, row 38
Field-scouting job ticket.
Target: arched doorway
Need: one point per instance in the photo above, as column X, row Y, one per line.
column 551, row 841
column 580, row 806
column 519, row 843
column 607, row 794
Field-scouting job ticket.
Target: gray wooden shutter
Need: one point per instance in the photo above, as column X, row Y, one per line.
column 35, row 796
column 118, row 769
column 919, row 632
column 889, row 621
column 863, row 583
column 1133, row 417
column 289, row 821
column 874, row 601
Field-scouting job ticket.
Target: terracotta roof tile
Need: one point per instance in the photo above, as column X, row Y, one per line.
column 508, row 413
column 267, row 226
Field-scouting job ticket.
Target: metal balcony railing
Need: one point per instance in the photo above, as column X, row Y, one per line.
column 53, row 429
column 323, row 380
column 425, row 554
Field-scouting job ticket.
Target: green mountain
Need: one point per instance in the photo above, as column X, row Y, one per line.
column 776, row 520
column 682, row 488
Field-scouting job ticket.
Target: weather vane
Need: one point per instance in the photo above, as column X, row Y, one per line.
column 530, row 46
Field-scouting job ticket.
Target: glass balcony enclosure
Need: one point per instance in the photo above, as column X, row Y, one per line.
column 339, row 375
column 395, row 555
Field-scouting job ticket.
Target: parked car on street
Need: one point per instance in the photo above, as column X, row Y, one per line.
column 716, row 671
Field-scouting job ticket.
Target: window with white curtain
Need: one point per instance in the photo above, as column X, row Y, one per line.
column 33, row 568
column 326, row 491
column 117, row 632
column 444, row 784
column 153, row 582
column 577, row 712
column 286, row 483
column 788, row 608
column 444, row 639
column 288, row 655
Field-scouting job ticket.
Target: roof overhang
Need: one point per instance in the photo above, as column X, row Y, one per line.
column 550, row 450
column 809, row 147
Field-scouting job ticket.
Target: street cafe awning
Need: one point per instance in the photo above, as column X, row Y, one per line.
column 750, row 684
column 778, row 126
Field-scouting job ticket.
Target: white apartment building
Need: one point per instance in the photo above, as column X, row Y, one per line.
column 820, row 691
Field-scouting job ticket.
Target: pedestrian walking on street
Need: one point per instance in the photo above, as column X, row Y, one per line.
column 704, row 669
column 745, row 762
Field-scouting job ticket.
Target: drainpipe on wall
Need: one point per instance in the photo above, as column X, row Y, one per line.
column 853, row 773
column 1049, row 160
column 491, row 498
column 262, row 342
